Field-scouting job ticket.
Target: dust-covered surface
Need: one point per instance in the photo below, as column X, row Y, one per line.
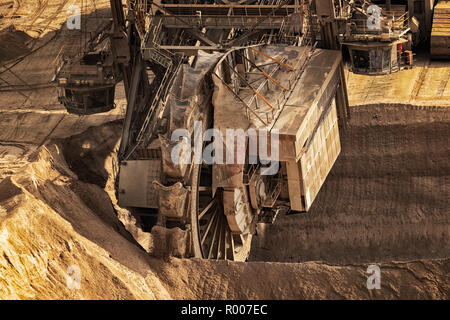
column 386, row 200
column 50, row 220
column 34, row 35
column 15, row 43
column 46, row 218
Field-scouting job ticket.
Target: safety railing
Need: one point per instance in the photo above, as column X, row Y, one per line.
column 283, row 96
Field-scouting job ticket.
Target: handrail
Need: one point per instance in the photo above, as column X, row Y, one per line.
column 295, row 75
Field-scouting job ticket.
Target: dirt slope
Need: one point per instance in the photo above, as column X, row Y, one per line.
column 386, row 199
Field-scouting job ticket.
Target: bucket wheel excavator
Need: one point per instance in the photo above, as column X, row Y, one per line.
column 208, row 80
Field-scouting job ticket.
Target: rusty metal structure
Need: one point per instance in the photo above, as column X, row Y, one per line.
column 210, row 70
column 87, row 81
column 377, row 36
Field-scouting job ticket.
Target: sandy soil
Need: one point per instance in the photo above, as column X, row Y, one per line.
column 45, row 223
column 428, row 83
column 31, row 114
column 25, row 80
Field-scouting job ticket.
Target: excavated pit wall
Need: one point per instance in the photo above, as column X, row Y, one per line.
column 51, row 218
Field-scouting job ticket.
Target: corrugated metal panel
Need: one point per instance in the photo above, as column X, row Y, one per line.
column 320, row 155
